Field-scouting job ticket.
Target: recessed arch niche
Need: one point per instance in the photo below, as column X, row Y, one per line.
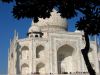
column 40, row 68
column 90, row 54
column 25, row 51
column 24, row 69
column 39, row 51
column 91, row 57
column 64, row 59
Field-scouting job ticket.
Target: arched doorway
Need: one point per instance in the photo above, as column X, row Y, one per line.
column 64, row 59
column 39, row 51
column 25, row 51
column 24, row 69
column 91, row 57
column 40, row 68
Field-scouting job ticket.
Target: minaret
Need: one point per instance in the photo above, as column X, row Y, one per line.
column 12, row 55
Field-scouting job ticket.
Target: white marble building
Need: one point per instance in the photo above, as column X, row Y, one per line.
column 50, row 49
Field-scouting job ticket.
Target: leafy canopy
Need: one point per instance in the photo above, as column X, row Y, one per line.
column 90, row 22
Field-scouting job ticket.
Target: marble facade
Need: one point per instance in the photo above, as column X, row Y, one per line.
column 50, row 49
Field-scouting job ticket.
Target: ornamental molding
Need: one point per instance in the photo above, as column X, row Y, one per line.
column 61, row 42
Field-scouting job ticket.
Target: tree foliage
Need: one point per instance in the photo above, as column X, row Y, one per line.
column 42, row 8
column 90, row 22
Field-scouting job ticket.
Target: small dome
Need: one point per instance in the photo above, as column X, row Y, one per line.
column 34, row 28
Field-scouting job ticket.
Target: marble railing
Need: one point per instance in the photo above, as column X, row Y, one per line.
column 49, row 74
column 53, row 74
column 61, row 74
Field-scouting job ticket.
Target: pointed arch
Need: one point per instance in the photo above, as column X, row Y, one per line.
column 39, row 48
column 24, row 69
column 24, row 65
column 91, row 55
column 64, row 58
column 25, row 48
column 25, row 52
column 40, row 68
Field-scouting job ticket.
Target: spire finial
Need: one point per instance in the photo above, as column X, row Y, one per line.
column 10, row 42
column 15, row 33
column 32, row 22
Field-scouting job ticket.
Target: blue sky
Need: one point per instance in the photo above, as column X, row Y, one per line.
column 7, row 26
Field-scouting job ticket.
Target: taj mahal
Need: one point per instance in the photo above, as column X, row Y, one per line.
column 50, row 49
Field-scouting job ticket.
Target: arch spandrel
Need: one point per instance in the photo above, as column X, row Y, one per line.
column 61, row 43
column 64, row 47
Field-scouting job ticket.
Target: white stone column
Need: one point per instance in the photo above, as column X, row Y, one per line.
column 50, row 56
column 33, row 56
column 30, row 57
column 79, row 56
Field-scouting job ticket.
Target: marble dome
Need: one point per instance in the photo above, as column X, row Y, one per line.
column 54, row 23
